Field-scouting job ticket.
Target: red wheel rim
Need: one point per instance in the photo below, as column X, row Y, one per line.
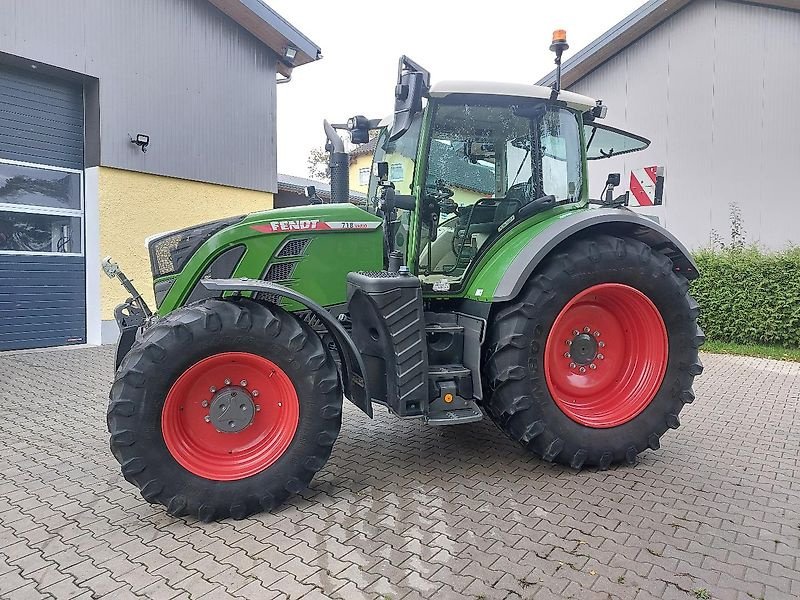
column 265, row 391
column 606, row 355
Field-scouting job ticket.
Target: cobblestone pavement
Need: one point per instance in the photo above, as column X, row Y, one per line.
column 408, row 511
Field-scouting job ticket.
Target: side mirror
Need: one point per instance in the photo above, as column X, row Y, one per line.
column 413, row 83
column 382, row 170
column 612, row 182
column 310, row 191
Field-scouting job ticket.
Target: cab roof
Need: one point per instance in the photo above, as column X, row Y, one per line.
column 442, row 89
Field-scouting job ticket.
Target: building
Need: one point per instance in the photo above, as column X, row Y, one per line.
column 192, row 83
column 476, row 181
column 713, row 84
column 292, row 192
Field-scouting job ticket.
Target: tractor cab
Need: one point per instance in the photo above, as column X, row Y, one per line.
column 452, row 176
column 477, row 162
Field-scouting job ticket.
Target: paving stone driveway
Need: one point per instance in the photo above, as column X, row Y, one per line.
column 408, row 511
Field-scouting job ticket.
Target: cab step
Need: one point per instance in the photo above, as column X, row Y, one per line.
column 467, row 414
column 453, row 403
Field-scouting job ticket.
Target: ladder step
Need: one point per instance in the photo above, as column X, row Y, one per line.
column 469, row 414
column 442, row 327
column 448, row 371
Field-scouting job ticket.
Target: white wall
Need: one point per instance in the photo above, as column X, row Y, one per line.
column 716, row 88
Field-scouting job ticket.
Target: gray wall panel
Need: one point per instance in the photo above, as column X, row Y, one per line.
column 180, row 71
column 48, row 308
column 712, row 87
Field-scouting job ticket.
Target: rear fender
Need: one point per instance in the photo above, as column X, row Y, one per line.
column 613, row 221
column 353, row 371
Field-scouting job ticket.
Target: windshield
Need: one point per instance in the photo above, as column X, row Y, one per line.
column 526, row 150
column 490, row 159
column 401, row 156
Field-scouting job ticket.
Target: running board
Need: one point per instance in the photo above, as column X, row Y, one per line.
column 468, row 414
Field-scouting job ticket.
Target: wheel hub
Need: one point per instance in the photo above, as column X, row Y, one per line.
column 583, row 349
column 232, row 409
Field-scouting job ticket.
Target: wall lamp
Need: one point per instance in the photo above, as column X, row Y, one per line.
column 142, row 140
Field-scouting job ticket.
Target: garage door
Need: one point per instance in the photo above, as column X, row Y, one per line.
column 42, row 267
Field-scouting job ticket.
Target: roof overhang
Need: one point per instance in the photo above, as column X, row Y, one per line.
column 643, row 20
column 273, row 30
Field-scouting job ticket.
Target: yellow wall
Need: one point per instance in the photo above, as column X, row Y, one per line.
column 359, row 162
column 461, row 195
column 136, row 205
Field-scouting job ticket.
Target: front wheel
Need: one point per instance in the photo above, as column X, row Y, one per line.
column 224, row 408
column 595, row 359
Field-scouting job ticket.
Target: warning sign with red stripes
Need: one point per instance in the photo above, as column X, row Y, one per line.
column 643, row 186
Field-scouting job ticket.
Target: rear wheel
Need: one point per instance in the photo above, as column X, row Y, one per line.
column 595, row 359
column 224, row 408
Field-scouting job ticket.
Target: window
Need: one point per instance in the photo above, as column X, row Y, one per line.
column 24, row 232
column 363, row 176
column 603, row 141
column 396, row 172
column 41, row 209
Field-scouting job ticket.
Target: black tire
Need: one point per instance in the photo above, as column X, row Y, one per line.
column 168, row 349
column 517, row 396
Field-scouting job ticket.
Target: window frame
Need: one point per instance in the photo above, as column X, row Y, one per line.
column 30, row 209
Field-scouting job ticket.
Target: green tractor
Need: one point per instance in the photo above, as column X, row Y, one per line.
column 480, row 280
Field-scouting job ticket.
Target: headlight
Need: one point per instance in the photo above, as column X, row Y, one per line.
column 170, row 253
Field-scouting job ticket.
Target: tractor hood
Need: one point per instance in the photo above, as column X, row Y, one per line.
column 301, row 247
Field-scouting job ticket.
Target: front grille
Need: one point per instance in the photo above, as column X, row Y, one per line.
column 280, row 271
column 293, row 248
column 267, row 297
column 161, row 254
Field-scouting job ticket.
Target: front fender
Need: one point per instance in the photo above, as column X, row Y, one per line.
column 613, row 221
column 353, row 370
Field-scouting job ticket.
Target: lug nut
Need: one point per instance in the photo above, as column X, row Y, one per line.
column 572, row 365
column 596, row 334
column 587, row 329
column 583, row 369
column 567, row 354
column 227, row 382
column 569, row 342
column 258, row 407
column 207, row 419
column 255, row 393
column 243, row 383
column 212, row 389
column 600, row 356
column 592, row 366
column 204, row 404
column 601, row 344
column 575, row 332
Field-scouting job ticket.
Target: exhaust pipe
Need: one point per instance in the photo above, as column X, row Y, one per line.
column 339, row 165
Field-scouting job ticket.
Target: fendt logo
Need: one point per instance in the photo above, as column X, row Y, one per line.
column 293, row 225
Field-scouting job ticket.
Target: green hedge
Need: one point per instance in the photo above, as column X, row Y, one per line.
column 747, row 296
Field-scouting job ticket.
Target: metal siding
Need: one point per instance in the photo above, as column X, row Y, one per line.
column 712, row 87
column 42, row 301
column 41, row 120
column 180, row 71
